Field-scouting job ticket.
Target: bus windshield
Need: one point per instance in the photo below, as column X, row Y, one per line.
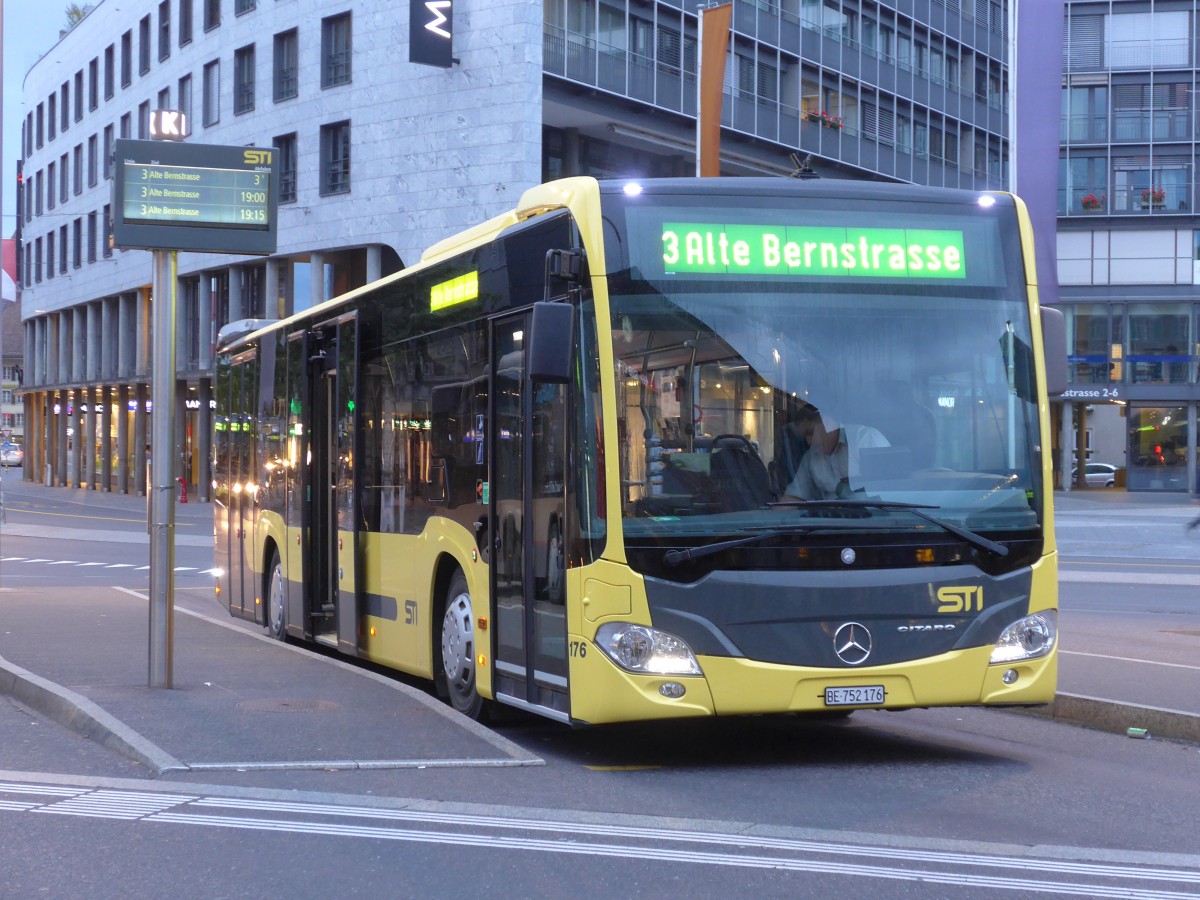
column 821, row 350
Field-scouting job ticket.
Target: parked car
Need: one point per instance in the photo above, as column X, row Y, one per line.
column 11, row 454
column 1097, row 475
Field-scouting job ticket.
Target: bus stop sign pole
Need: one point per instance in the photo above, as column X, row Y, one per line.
column 162, row 495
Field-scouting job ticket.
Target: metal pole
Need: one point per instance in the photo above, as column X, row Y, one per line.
column 162, row 503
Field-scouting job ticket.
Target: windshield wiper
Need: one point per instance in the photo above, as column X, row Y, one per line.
column 675, row 557
column 975, row 540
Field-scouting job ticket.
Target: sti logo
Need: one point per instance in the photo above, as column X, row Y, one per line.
column 960, row 599
column 256, row 157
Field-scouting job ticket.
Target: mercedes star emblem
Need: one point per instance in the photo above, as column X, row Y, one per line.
column 852, row 643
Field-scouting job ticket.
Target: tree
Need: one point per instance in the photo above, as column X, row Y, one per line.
column 75, row 14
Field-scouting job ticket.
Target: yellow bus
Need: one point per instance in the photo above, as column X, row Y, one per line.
column 647, row 449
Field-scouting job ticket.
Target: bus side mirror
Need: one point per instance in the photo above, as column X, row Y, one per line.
column 550, row 342
column 1054, row 347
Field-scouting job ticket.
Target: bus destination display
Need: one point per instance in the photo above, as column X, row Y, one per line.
column 234, row 197
column 206, row 198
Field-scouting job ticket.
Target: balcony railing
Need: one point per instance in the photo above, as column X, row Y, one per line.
column 1096, row 200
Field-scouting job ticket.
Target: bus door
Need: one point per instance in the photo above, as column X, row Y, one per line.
column 329, row 514
column 236, row 475
column 526, row 491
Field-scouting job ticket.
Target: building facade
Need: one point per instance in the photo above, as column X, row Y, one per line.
column 1129, row 236
column 12, row 362
column 380, row 157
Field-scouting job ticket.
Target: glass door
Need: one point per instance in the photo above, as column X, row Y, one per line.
column 527, row 514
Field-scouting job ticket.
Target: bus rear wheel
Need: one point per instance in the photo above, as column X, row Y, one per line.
column 458, row 649
column 276, row 615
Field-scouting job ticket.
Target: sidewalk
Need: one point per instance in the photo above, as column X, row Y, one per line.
column 243, row 702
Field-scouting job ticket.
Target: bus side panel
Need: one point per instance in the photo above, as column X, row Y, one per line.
column 399, row 598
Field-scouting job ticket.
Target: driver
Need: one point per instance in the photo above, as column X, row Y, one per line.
column 832, row 458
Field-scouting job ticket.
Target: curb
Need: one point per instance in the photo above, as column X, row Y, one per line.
column 81, row 715
column 1110, row 715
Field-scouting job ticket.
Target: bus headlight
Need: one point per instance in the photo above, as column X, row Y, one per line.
column 638, row 648
column 1027, row 638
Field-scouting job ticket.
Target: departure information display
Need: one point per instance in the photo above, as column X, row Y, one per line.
column 202, row 197
column 235, row 197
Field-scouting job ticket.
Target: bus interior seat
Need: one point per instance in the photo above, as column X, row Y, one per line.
column 740, row 473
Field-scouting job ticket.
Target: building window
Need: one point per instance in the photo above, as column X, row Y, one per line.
column 335, row 158
column 38, row 185
column 106, row 246
column 50, row 255
column 1085, row 114
column 335, row 50
column 1148, row 40
column 93, row 166
column 66, row 106
column 212, row 14
column 1140, row 185
column 286, row 65
column 185, row 97
column 109, row 146
column 126, row 125
column 243, row 80
column 144, row 120
column 1143, row 112
column 110, row 76
column 77, row 170
column 91, row 237
column 50, row 172
column 37, row 261
column 52, row 116
column 144, row 45
column 79, row 95
column 77, row 243
column 212, row 92
column 164, row 30
column 64, row 186
column 185, row 22
column 285, row 145
column 164, row 99
column 240, row 7
column 62, row 251
column 41, row 126
column 127, row 59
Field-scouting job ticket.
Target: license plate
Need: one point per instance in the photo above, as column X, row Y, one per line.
column 863, row 695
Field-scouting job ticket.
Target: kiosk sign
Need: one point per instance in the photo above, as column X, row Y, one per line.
column 200, row 197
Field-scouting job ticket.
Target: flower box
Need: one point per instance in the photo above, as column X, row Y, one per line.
column 824, row 118
column 1154, row 197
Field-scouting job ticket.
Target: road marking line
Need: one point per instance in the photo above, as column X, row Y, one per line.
column 1129, row 578
column 11, row 558
column 1149, row 662
column 120, row 566
column 65, row 562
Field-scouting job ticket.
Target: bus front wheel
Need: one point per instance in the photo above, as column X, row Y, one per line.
column 458, row 649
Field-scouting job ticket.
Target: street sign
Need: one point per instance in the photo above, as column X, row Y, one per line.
column 431, row 33
column 206, row 198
